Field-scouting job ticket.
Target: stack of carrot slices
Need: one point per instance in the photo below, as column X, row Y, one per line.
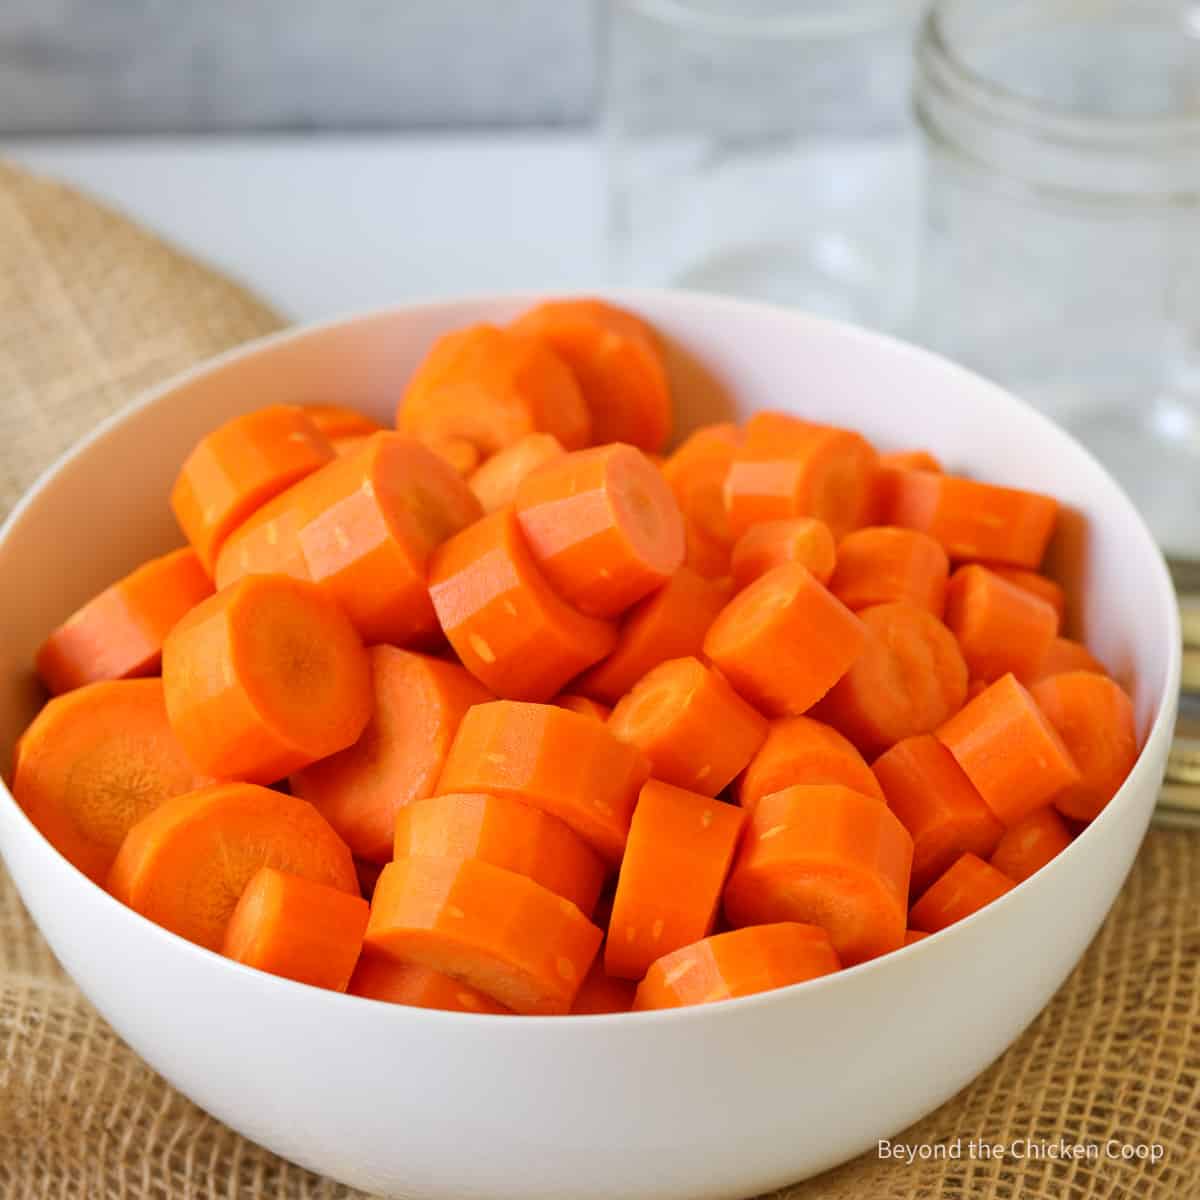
column 503, row 712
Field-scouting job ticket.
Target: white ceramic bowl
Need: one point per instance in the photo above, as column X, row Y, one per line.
column 714, row 1101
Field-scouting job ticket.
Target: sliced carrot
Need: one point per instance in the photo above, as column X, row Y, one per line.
column 791, row 468
column 696, row 474
column 290, row 926
column 584, row 705
column 379, row 978
column 565, row 764
column 802, row 750
column 1000, row 626
column 1039, row 585
column 187, row 863
column 969, row 885
column 238, row 468
column 738, row 963
column 363, row 528
column 827, row 856
column 94, row 762
column 784, row 641
column 335, row 421
column 670, row 623
column 348, row 444
column 912, row 936
column 602, row 993
column 418, row 704
column 680, row 849
column 975, row 520
column 460, row 455
column 882, row 564
column 603, row 526
column 909, row 677
column 510, row 628
column 495, row 482
column 938, row 806
column 119, row 633
column 1062, row 656
column 709, row 559
column 891, row 469
column 1030, row 844
column 1009, row 750
column 694, row 728
column 265, row 677
column 506, row 833
column 803, row 540
column 498, row 931
column 1094, row 718
column 493, row 386
column 616, row 358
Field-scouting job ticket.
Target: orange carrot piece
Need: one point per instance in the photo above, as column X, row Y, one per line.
column 495, row 482
column 891, row 469
column 186, row 864
column 1030, row 844
column 938, row 806
column 801, row 750
column 615, row 357
column 803, row 540
column 701, row 554
column 1000, row 626
column 912, row 936
column 565, row 764
column 696, row 474
column 94, row 762
column 238, row 468
column 461, row 456
column 363, row 528
column 975, row 520
column 603, row 526
column 335, row 421
column 119, row 633
column 1094, row 718
column 670, row 623
column 784, row 641
column 511, row 630
column 908, row 679
column 1039, row 585
column 491, row 387
column 1062, row 656
column 1009, row 750
column 506, row 833
column 791, row 468
column 584, row 705
column 697, row 732
column 498, row 931
column 301, row 930
column 379, row 978
column 680, row 849
column 969, row 885
column 828, row 856
column 738, row 963
column 349, row 444
column 418, row 704
column 265, row 677
column 601, row 993
column 882, row 564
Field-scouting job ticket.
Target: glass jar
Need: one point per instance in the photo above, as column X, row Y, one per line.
column 1061, row 252
column 761, row 147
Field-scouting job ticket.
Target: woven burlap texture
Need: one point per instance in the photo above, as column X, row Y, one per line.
column 92, row 310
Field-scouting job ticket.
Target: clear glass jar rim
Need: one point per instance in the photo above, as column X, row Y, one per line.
column 844, row 18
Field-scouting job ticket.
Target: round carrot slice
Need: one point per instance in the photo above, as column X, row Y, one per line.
column 784, row 641
column 882, row 564
column 803, row 540
column 186, row 864
column 379, row 978
column 680, row 848
column 238, row 468
column 694, row 728
column 739, row 963
column 459, row 454
column 827, row 856
column 1094, row 718
column 802, row 750
column 1030, row 844
column 336, row 421
column 969, row 885
column 603, row 526
column 497, row 931
column 265, row 677
column 301, row 930
column 584, row 705
column 565, row 764
column 602, row 993
column 491, row 387
column 94, row 762
column 506, row 833
column 891, row 469
column 495, row 482
column 616, row 359
column 418, row 704
column 696, row 474
column 119, row 634
column 1062, row 656
column 1039, row 585
column 908, row 679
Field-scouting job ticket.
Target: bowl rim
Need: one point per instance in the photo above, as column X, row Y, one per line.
column 1158, row 730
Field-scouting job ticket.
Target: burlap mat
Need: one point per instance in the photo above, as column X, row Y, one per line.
column 92, row 310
